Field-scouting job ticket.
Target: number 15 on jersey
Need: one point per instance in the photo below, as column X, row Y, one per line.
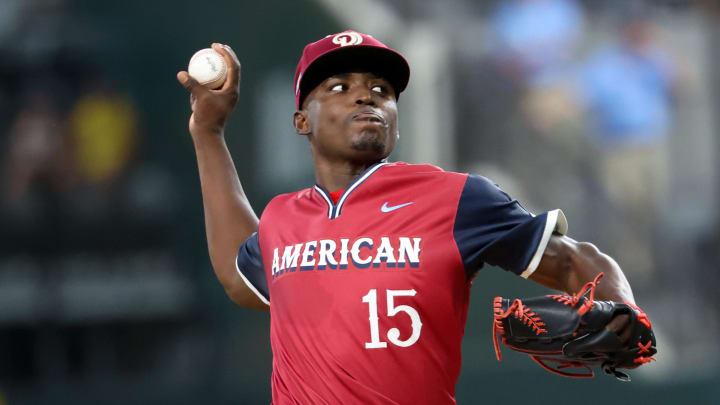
column 393, row 335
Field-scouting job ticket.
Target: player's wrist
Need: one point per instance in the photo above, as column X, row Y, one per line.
column 202, row 130
column 202, row 135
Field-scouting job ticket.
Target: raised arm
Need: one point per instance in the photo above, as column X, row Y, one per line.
column 229, row 218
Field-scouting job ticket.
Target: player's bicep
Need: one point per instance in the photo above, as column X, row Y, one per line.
column 495, row 229
column 252, row 289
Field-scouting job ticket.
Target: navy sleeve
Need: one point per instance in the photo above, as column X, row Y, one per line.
column 492, row 228
column 250, row 267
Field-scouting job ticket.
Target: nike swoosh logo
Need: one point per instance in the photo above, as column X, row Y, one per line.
column 385, row 207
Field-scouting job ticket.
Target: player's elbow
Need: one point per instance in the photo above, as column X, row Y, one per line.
column 579, row 255
column 242, row 295
column 585, row 260
column 223, row 263
column 582, row 251
column 565, row 263
column 564, row 255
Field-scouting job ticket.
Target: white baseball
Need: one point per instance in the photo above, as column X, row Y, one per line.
column 208, row 67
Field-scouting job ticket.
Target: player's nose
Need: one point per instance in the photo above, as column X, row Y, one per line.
column 364, row 97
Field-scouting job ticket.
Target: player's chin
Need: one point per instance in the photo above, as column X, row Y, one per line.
column 372, row 143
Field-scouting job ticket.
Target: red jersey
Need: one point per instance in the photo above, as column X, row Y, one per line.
column 368, row 297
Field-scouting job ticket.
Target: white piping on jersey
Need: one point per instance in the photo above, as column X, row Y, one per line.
column 250, row 285
column 335, row 210
column 327, row 200
column 555, row 221
column 347, row 192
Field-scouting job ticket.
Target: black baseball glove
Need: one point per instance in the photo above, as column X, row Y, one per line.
column 569, row 331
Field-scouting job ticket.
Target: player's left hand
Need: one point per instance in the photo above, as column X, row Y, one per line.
column 576, row 331
column 621, row 325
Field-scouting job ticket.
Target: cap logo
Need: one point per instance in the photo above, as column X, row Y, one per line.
column 347, row 38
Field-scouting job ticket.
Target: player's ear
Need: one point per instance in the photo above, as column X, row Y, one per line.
column 301, row 123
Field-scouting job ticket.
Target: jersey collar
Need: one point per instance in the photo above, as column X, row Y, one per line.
column 334, row 210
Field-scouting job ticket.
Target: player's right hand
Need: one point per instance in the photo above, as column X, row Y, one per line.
column 211, row 108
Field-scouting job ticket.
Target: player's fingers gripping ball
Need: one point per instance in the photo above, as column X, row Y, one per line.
column 208, row 67
column 569, row 331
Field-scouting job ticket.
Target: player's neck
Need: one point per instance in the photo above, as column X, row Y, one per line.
column 338, row 175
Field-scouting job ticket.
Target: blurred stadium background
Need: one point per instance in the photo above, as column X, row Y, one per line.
column 606, row 109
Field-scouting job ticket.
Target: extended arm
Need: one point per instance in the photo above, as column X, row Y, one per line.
column 229, row 218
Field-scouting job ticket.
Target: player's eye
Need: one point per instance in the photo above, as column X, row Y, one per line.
column 337, row 87
column 378, row 89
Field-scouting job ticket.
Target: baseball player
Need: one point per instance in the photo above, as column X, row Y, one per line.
column 367, row 273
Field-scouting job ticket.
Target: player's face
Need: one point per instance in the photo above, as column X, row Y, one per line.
column 351, row 117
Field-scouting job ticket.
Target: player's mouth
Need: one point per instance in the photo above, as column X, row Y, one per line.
column 370, row 117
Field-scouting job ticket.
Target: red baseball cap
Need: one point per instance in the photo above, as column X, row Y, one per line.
column 346, row 51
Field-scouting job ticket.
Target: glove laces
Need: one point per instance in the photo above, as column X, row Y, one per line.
column 519, row 311
column 589, row 302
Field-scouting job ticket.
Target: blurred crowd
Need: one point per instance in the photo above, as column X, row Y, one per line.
column 86, row 219
column 66, row 166
column 599, row 118
column 580, row 106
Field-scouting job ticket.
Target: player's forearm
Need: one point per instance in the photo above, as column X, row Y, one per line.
column 568, row 264
column 229, row 218
column 586, row 262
